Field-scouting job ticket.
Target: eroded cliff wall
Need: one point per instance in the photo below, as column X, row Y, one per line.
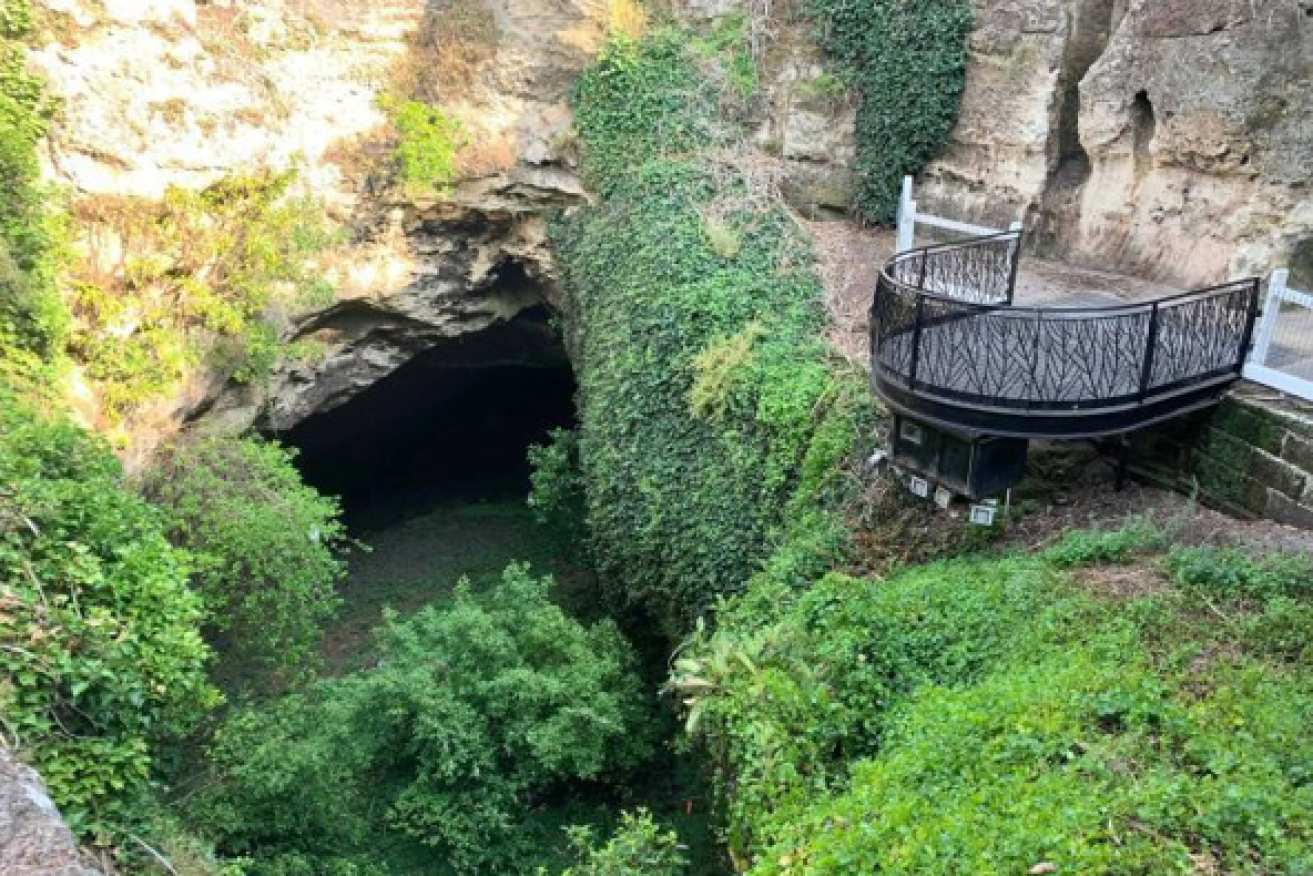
column 1166, row 138
column 160, row 93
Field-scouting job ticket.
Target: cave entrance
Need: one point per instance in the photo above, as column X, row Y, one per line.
column 452, row 425
column 431, row 465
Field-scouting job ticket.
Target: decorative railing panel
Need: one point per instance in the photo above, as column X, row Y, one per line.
column 981, row 271
column 943, row 328
column 1203, row 334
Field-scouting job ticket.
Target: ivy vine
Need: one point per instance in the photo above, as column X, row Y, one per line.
column 33, row 322
column 712, row 420
column 908, row 61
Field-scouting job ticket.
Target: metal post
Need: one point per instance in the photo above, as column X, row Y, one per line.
column 906, row 218
column 1017, row 228
column 916, row 343
column 1123, row 460
column 1146, row 373
column 1034, row 359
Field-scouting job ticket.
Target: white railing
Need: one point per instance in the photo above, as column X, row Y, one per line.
column 909, row 217
column 1282, row 357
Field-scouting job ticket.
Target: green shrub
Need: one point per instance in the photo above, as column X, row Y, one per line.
column 788, row 698
column 639, row 848
column 984, row 717
column 706, row 391
column 1283, row 629
column 1085, row 761
column 475, row 715
column 1268, row 598
column 556, row 489
column 266, row 547
column 908, row 61
column 1233, row 575
column 1136, row 537
column 100, row 658
column 428, row 140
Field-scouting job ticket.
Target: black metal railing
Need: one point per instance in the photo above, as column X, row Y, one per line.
column 943, row 329
column 981, row 271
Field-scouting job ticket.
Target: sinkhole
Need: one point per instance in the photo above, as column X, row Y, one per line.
column 453, row 424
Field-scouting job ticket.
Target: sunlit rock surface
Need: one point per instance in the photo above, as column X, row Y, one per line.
column 160, row 93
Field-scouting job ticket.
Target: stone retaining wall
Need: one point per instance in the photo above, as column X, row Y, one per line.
column 1251, row 456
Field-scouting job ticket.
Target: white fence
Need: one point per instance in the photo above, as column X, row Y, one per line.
column 909, row 217
column 1283, row 344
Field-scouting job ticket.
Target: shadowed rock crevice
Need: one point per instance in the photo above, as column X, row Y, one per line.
column 1091, row 26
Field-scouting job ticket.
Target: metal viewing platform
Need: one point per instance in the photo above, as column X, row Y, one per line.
column 949, row 349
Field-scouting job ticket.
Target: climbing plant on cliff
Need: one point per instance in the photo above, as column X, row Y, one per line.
column 908, row 60
column 192, row 275
column 32, row 319
column 428, row 140
column 713, row 421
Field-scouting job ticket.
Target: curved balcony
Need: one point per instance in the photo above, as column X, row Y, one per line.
column 949, row 348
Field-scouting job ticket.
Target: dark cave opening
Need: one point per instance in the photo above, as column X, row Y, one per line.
column 452, row 424
column 1144, row 124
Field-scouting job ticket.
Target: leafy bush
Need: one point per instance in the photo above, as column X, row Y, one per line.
column 985, row 717
column 789, row 699
column 1269, row 597
column 475, row 714
column 427, row 143
column 556, row 489
column 1085, row 761
column 639, row 848
column 1235, row 576
column 99, row 650
column 266, row 547
column 698, row 432
column 908, row 61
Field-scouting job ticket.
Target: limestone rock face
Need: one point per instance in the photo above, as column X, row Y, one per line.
column 160, row 93
column 33, row 839
column 172, row 92
column 464, row 269
column 1166, row 138
column 1196, row 121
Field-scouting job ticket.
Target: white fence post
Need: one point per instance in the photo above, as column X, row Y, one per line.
column 1287, row 378
column 906, row 218
column 1276, row 293
column 909, row 217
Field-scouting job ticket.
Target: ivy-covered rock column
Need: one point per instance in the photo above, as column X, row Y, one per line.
column 908, row 61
